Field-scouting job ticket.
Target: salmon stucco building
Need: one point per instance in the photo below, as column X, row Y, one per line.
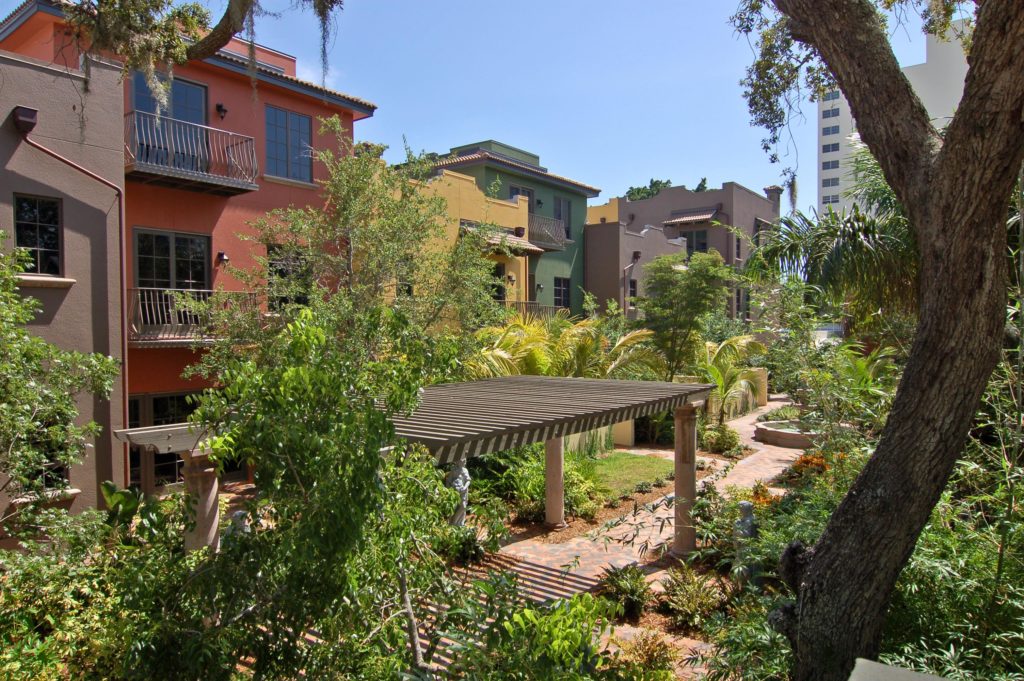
column 232, row 143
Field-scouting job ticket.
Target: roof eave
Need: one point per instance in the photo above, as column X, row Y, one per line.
column 366, row 109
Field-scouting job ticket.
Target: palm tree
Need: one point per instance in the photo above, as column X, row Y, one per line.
column 562, row 347
column 721, row 365
column 865, row 259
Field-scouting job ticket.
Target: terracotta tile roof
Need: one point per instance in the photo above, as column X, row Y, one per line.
column 700, row 215
column 482, row 155
column 264, row 73
column 516, row 244
column 273, row 74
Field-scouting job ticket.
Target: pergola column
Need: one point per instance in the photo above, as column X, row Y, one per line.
column 201, row 494
column 554, row 482
column 685, row 539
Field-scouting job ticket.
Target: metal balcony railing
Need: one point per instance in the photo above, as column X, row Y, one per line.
column 188, row 155
column 548, row 233
column 155, row 315
column 533, row 308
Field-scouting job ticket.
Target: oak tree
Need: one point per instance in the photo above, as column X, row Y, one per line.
column 954, row 186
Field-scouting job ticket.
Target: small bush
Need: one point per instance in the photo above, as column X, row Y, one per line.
column 628, row 587
column 788, row 412
column 690, row 598
column 613, row 502
column 648, row 656
column 643, row 487
column 461, row 545
column 659, row 482
column 720, row 438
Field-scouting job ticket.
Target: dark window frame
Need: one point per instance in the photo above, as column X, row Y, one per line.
column 515, row 190
column 208, row 269
column 633, row 293
column 691, row 241
column 35, row 250
column 556, row 212
column 562, row 292
column 271, row 169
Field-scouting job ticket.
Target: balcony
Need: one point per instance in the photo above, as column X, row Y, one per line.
column 532, row 308
column 548, row 233
column 171, row 153
column 157, row 319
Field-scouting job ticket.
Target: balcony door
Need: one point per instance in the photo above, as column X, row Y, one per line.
column 178, row 138
column 167, row 262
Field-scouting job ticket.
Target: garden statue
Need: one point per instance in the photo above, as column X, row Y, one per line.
column 458, row 479
column 743, row 530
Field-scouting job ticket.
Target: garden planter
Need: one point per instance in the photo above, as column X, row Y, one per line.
column 785, row 434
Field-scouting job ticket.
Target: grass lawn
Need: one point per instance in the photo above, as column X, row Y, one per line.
column 619, row 472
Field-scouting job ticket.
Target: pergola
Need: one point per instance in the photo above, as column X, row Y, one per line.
column 457, row 421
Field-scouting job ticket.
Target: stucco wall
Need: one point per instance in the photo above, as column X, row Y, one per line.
column 466, row 201
column 609, row 250
column 83, row 312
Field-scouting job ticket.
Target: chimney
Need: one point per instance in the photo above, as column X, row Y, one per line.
column 774, row 194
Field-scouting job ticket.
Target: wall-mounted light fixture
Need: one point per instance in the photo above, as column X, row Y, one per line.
column 540, row 287
column 636, row 256
column 511, row 279
column 222, row 258
column 222, row 110
column 540, row 203
column 25, row 119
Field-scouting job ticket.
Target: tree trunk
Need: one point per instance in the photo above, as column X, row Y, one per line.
column 956, row 198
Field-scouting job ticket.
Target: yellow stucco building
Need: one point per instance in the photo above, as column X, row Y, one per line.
column 469, row 207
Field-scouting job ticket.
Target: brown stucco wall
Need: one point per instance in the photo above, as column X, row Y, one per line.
column 737, row 206
column 609, row 249
column 81, row 309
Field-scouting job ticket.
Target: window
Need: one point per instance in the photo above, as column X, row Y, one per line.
column 157, row 410
column 174, row 139
column 290, row 278
column 632, row 293
column 289, row 141
column 498, row 290
column 563, row 291
column 165, row 260
column 37, row 229
column 829, row 198
column 830, row 182
column 830, row 165
column 830, row 96
column 828, row 148
column 830, row 113
column 697, row 241
column 830, row 130
column 514, row 191
column 563, row 212
column 738, row 247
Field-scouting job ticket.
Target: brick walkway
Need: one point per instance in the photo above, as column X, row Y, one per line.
column 647, row 534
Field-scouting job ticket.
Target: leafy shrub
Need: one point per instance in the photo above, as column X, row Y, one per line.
column 690, row 598
column 628, row 587
column 559, row 641
column 517, row 476
column 787, row 412
column 720, row 438
column 461, row 545
column 746, row 648
column 643, row 487
column 648, row 656
column 659, row 482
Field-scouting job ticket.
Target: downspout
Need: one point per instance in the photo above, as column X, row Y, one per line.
column 25, row 120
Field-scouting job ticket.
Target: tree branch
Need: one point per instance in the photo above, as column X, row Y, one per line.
column 891, row 120
column 230, row 24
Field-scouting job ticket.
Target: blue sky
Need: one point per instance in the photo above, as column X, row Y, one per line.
column 608, row 93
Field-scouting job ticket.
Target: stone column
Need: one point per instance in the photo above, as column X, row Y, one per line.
column 685, row 539
column 201, row 493
column 554, row 483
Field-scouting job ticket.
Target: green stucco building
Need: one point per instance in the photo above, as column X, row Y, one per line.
column 558, row 211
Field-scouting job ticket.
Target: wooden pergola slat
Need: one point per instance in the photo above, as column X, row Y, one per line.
column 456, row 421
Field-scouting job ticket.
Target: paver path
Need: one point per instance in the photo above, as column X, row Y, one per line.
column 589, row 556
